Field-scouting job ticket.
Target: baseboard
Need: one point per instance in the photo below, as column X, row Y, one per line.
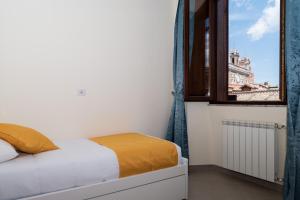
column 260, row 182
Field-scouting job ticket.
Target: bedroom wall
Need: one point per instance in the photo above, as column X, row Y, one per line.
column 119, row 52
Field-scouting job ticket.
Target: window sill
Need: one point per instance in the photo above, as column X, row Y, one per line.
column 240, row 103
column 252, row 103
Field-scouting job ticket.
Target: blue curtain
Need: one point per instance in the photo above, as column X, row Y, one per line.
column 177, row 129
column 292, row 167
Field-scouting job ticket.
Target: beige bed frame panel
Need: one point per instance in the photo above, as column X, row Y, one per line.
column 165, row 184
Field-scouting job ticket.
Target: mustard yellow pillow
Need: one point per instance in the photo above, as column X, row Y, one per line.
column 25, row 139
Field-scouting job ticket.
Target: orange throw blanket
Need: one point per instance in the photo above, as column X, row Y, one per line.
column 138, row 153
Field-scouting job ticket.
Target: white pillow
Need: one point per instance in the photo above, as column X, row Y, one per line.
column 7, row 152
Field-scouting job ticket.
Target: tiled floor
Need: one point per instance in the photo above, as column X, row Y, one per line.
column 211, row 184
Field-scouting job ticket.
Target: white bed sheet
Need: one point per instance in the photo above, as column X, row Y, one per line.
column 77, row 163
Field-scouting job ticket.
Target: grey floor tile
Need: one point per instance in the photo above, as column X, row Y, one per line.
column 206, row 184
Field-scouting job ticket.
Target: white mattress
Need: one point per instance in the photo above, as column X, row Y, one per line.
column 77, row 163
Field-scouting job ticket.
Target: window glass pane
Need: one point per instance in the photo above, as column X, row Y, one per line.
column 254, row 50
column 199, row 72
column 207, row 42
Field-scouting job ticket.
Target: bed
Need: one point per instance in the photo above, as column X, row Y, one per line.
column 82, row 169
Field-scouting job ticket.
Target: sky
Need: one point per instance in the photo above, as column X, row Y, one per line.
column 254, row 32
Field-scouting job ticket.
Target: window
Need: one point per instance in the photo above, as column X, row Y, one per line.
column 234, row 51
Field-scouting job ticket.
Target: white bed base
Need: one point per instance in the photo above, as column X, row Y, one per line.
column 165, row 184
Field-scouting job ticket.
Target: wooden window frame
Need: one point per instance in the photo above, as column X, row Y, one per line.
column 218, row 14
column 212, row 60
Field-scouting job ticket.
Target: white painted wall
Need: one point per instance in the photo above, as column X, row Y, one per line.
column 120, row 51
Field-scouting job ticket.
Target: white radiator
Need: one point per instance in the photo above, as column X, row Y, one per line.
column 251, row 148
